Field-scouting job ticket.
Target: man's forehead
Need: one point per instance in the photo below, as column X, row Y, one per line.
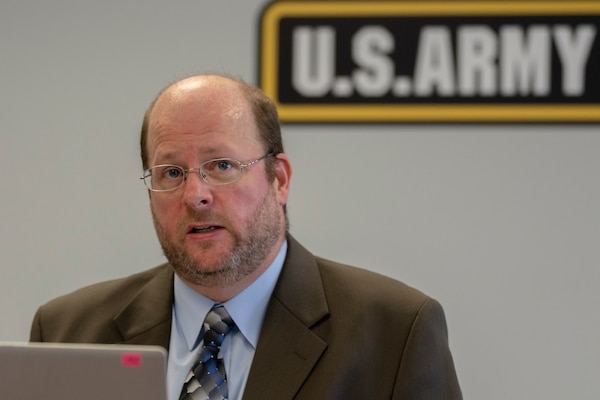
column 205, row 87
column 205, row 96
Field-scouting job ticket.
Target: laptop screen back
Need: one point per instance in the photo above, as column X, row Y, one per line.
column 49, row 371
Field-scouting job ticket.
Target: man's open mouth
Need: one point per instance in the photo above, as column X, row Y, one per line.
column 197, row 229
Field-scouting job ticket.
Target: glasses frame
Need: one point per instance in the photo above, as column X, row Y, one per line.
column 200, row 170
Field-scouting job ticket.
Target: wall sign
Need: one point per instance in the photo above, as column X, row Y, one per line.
column 432, row 61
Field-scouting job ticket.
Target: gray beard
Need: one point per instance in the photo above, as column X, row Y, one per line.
column 247, row 255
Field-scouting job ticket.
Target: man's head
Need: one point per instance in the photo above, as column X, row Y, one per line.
column 263, row 110
column 219, row 238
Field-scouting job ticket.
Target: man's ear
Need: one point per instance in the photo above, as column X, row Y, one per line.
column 283, row 174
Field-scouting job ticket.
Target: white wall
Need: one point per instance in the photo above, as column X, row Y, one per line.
column 500, row 223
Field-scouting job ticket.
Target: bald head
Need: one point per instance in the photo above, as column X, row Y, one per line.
column 206, row 94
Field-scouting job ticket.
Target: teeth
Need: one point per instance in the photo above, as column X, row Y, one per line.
column 198, row 230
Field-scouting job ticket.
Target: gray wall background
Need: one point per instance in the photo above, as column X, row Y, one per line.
column 499, row 223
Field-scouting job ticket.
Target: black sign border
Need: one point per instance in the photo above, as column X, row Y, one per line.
column 415, row 113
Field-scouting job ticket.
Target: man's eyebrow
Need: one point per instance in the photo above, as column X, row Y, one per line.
column 166, row 157
column 212, row 151
column 208, row 153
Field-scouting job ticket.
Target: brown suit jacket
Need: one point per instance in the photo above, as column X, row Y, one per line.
column 330, row 332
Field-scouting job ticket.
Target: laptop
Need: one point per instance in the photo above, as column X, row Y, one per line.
column 52, row 371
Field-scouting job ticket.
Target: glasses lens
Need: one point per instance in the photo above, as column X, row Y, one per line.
column 221, row 171
column 164, row 177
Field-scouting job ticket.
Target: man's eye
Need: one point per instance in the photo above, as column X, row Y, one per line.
column 172, row 173
column 218, row 166
column 223, row 165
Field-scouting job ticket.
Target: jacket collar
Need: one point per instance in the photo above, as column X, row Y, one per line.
column 147, row 318
column 287, row 348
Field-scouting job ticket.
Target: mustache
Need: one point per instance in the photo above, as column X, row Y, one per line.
column 195, row 216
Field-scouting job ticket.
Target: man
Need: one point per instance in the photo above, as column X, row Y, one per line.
column 293, row 326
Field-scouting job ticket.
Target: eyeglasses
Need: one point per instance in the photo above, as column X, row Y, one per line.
column 219, row 171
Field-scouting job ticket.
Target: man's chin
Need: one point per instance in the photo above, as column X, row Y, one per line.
column 209, row 269
column 210, row 275
column 208, row 259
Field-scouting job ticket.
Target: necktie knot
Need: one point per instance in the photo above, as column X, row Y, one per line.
column 217, row 324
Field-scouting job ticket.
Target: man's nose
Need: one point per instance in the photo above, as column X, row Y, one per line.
column 197, row 192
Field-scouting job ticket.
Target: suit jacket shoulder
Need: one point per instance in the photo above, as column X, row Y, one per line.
column 359, row 288
column 336, row 331
column 134, row 309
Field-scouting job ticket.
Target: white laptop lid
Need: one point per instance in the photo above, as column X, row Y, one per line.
column 50, row 371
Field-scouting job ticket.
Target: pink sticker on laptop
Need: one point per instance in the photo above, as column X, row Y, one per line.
column 131, row 359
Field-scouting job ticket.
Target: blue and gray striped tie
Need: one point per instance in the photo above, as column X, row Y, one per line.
column 207, row 379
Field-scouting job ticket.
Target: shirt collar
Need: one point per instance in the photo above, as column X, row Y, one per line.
column 247, row 309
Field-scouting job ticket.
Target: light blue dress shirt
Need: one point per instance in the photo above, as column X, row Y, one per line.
column 247, row 310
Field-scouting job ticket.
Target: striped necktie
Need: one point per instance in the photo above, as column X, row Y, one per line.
column 207, row 379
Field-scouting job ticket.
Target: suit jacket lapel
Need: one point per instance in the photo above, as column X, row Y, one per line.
column 147, row 318
column 287, row 349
